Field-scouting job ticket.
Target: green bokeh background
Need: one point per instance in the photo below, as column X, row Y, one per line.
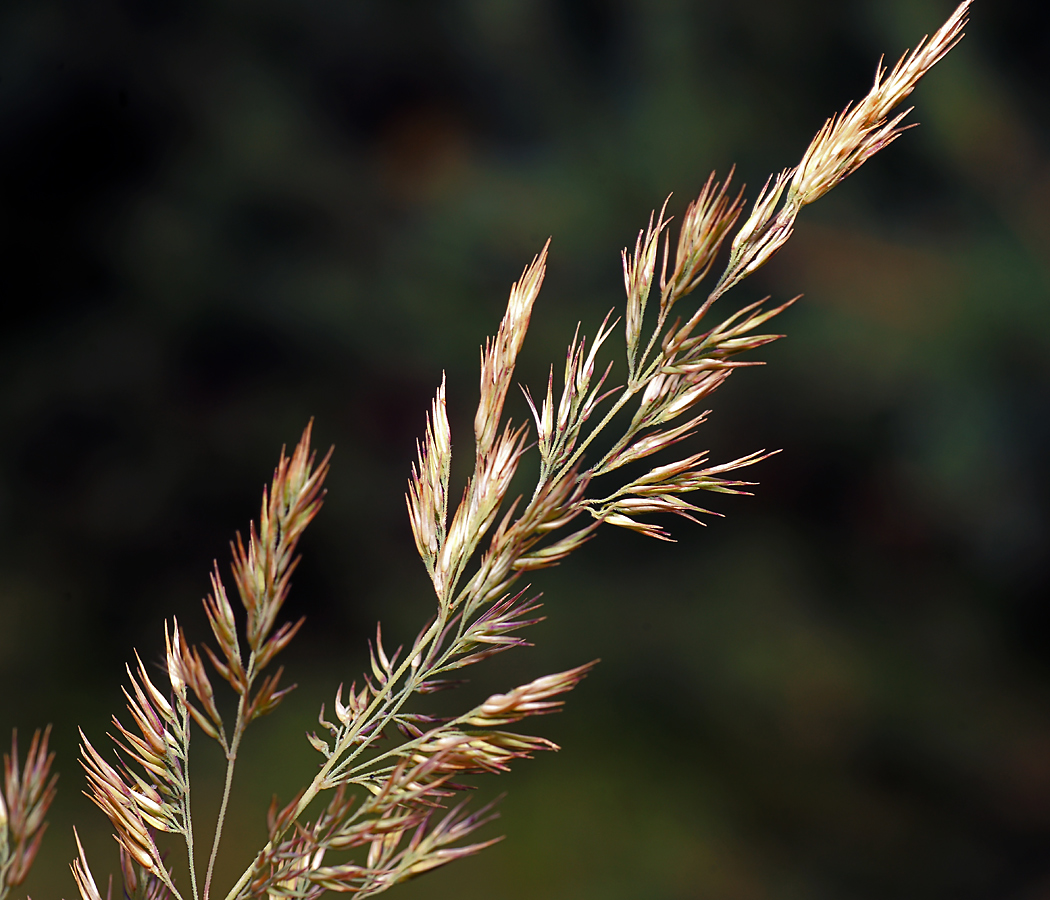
column 219, row 219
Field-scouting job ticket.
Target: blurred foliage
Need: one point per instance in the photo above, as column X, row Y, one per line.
column 220, row 219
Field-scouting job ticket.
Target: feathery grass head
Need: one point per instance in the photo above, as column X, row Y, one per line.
column 840, row 147
column 382, row 806
column 851, row 138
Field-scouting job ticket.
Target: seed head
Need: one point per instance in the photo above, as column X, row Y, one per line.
column 856, row 134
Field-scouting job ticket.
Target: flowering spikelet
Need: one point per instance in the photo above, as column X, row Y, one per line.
column 85, row 881
column 428, row 488
column 139, row 883
column 851, row 138
column 497, row 454
column 500, row 355
column 142, row 884
column 263, row 569
column 843, row 145
column 705, row 225
column 391, row 859
column 148, row 789
column 186, row 668
column 763, row 233
column 638, row 281
column 136, row 804
column 532, row 699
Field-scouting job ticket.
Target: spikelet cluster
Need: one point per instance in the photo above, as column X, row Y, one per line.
column 146, row 791
column 843, row 145
column 146, row 788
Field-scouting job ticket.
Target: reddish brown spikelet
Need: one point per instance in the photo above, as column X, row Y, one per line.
column 500, row 355
column 189, row 669
column 224, row 627
column 262, row 570
column 27, row 794
column 123, row 807
column 85, row 881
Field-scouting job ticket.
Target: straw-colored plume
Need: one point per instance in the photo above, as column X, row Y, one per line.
column 856, row 134
column 380, row 806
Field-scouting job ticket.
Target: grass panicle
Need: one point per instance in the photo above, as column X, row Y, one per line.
column 385, row 802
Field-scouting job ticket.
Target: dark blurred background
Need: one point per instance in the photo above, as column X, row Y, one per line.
column 220, row 219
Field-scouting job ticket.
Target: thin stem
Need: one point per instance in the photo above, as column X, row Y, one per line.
column 661, row 320
column 231, row 762
column 187, row 815
column 629, row 392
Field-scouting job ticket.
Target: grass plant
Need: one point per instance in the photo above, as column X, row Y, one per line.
column 383, row 805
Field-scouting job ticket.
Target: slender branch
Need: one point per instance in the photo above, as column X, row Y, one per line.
column 231, row 762
column 628, row 392
column 187, row 815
